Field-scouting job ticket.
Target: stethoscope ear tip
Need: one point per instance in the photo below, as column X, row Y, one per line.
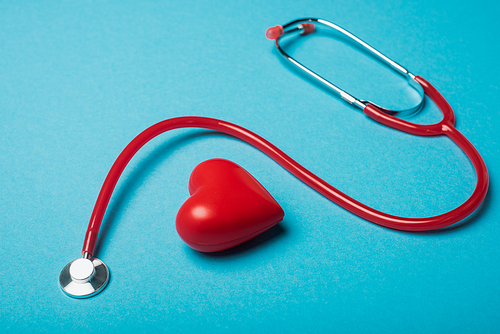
column 84, row 278
column 274, row 33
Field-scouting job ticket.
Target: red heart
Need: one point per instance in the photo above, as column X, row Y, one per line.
column 227, row 207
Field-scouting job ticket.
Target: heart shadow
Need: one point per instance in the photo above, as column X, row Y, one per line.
column 276, row 232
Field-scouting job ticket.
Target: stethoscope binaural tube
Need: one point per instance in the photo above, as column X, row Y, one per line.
column 305, row 27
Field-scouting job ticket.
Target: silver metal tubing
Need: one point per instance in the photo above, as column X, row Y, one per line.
column 296, row 26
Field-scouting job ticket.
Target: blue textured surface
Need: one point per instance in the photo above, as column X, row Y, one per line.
column 78, row 80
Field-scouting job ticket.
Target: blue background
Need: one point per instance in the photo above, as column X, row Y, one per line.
column 78, row 80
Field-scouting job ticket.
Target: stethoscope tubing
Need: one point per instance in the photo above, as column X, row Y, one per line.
column 445, row 127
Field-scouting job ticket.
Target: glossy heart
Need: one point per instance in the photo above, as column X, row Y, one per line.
column 227, row 207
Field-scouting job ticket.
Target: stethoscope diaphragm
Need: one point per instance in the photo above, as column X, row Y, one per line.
column 84, row 277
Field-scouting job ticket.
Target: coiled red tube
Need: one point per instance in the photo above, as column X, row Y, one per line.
column 445, row 127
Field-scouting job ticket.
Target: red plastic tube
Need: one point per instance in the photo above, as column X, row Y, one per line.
column 445, row 127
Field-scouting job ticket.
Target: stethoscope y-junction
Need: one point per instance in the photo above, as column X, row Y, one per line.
column 88, row 275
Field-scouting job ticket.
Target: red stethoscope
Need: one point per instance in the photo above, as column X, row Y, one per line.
column 87, row 276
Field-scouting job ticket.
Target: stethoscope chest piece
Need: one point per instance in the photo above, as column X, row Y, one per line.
column 83, row 278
